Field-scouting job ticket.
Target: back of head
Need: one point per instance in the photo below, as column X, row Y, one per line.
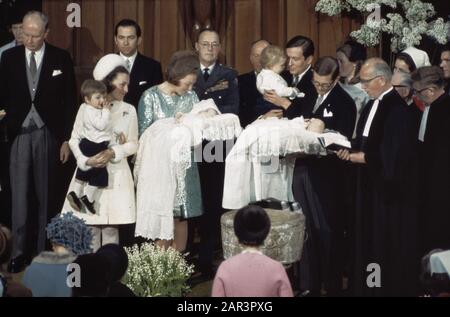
column 354, row 51
column 70, row 232
column 251, row 225
column 304, row 42
column 94, row 276
column 5, row 245
column 327, row 65
column 429, row 76
column 117, row 258
column 181, row 64
column 379, row 68
column 272, row 55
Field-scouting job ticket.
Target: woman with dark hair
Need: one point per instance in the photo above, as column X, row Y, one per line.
column 350, row 57
column 115, row 204
column 411, row 59
column 167, row 100
column 251, row 273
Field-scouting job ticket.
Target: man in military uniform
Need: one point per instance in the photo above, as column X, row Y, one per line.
column 218, row 82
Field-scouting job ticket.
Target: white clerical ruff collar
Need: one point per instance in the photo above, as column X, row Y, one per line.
column 373, row 111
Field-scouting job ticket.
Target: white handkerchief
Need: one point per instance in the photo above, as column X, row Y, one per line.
column 327, row 114
column 56, row 72
column 142, row 83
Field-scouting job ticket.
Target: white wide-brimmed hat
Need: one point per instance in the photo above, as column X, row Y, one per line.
column 106, row 65
column 440, row 262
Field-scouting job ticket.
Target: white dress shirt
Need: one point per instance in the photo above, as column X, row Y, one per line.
column 129, row 58
column 38, row 55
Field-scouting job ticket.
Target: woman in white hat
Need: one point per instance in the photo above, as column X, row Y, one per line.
column 411, row 59
column 115, row 204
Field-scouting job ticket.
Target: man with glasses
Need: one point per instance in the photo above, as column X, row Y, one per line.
column 218, row 82
column 385, row 223
column 300, row 53
column 318, row 186
column 445, row 65
column 434, row 145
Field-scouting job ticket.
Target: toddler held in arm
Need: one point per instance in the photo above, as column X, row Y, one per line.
column 273, row 60
column 95, row 138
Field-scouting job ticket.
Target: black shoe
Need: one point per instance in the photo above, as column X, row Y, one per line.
column 89, row 205
column 18, row 264
column 74, row 202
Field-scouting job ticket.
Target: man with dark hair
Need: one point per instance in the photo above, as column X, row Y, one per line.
column 317, row 185
column 445, row 65
column 384, row 153
column 15, row 23
column 300, row 53
column 428, row 82
column 145, row 72
column 37, row 88
column 218, row 82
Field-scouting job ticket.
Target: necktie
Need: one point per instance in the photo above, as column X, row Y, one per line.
column 318, row 103
column 128, row 65
column 295, row 81
column 206, row 74
column 33, row 67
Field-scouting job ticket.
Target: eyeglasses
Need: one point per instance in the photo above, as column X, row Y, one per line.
column 400, row 86
column 366, row 81
column 418, row 92
column 322, row 85
column 207, row 45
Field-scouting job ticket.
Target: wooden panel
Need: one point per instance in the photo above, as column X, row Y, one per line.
column 162, row 28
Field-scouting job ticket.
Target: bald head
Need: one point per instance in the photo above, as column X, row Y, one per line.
column 35, row 30
column 255, row 54
column 375, row 76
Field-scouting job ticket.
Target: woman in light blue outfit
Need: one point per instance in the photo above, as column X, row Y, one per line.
column 174, row 96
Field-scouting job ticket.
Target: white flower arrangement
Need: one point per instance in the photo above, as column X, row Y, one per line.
column 406, row 29
column 157, row 272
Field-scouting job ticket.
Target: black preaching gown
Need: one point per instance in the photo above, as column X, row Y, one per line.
column 385, row 228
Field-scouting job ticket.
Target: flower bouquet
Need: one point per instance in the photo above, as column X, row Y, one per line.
column 155, row 271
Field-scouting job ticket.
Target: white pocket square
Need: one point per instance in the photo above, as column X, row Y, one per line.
column 56, row 72
column 142, row 83
column 327, row 114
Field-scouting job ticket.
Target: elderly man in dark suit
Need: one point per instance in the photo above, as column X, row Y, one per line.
column 218, row 82
column 249, row 96
column 37, row 89
column 145, row 72
column 300, row 53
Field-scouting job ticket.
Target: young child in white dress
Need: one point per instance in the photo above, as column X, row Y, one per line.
column 273, row 60
column 95, row 139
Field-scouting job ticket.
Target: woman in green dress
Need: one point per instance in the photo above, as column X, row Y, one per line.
column 166, row 100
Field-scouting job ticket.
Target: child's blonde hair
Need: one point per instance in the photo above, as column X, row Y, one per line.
column 272, row 55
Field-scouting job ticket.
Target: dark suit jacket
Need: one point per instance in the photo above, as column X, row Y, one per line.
column 221, row 86
column 251, row 102
column 301, row 106
column 146, row 73
column 435, row 176
column 55, row 98
column 338, row 112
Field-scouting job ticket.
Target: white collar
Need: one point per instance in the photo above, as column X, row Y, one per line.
column 210, row 68
column 130, row 58
column 251, row 250
column 326, row 95
column 380, row 97
column 37, row 54
column 300, row 77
